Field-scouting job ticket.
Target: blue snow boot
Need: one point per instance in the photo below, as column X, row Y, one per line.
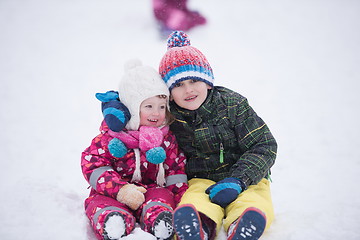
column 187, row 223
column 250, row 225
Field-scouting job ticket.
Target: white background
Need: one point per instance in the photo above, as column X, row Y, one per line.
column 296, row 61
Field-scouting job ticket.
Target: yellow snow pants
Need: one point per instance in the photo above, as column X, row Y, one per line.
column 257, row 196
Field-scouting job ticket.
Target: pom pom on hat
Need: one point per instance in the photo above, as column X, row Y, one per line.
column 183, row 62
column 178, row 39
column 116, row 114
column 132, row 63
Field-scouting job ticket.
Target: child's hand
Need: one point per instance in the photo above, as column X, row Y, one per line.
column 131, row 195
column 225, row 191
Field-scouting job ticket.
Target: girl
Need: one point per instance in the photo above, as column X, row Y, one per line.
column 136, row 174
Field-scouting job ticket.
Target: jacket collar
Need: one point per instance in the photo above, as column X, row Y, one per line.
column 205, row 111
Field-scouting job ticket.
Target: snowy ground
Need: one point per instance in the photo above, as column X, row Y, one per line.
column 296, row 61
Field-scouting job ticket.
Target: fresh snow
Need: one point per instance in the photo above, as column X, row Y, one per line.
column 115, row 227
column 162, row 230
column 297, row 62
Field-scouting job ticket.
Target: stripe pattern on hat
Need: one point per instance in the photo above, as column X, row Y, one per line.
column 183, row 62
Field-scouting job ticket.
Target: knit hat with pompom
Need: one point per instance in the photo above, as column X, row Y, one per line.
column 137, row 84
column 183, row 62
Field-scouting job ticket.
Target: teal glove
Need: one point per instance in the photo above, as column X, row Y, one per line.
column 225, row 191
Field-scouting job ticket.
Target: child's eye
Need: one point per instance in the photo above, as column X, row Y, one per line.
column 178, row 84
column 148, row 106
column 194, row 80
column 162, row 107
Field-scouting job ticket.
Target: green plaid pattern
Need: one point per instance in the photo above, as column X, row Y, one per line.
column 225, row 118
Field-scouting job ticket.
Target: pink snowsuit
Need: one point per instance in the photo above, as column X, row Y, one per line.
column 106, row 174
column 175, row 15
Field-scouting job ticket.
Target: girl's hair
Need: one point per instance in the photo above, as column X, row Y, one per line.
column 168, row 116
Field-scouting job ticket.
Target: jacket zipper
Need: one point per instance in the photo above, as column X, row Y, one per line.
column 221, row 153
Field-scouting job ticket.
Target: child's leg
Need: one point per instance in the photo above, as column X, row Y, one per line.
column 257, row 199
column 108, row 217
column 211, row 214
column 156, row 213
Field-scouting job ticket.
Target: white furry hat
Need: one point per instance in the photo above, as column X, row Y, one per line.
column 139, row 83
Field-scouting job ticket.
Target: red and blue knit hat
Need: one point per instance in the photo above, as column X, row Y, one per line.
column 183, row 62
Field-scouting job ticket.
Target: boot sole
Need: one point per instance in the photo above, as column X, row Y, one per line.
column 187, row 223
column 251, row 225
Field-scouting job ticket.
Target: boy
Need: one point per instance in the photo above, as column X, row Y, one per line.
column 229, row 150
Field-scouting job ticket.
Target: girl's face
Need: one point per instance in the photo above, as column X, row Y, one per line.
column 190, row 94
column 152, row 111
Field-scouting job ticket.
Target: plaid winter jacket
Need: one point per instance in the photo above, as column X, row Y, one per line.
column 224, row 138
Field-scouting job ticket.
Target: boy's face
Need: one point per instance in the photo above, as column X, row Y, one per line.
column 153, row 111
column 190, row 94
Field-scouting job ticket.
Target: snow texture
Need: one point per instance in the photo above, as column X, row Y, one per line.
column 162, row 230
column 296, row 61
column 115, row 227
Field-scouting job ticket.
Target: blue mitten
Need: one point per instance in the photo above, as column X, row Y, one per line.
column 225, row 191
column 116, row 114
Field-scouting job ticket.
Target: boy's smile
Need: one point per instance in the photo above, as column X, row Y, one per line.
column 192, row 98
column 190, row 94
